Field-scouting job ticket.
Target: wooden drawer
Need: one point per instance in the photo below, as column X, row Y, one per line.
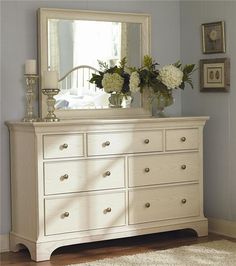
column 83, row 175
column 164, row 168
column 78, row 213
column 182, row 139
column 148, row 205
column 63, row 146
column 124, row 142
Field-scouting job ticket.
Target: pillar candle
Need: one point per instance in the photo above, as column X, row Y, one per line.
column 30, row 67
column 50, row 79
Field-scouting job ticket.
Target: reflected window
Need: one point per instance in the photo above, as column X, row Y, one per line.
column 101, row 39
column 75, row 43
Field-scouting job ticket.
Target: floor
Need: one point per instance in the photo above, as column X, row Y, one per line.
column 111, row 248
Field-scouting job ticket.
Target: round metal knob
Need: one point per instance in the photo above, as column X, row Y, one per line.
column 147, row 205
column 65, row 177
column 183, row 166
column 183, row 139
column 108, row 210
column 183, row 201
column 66, row 214
column 146, row 141
column 147, row 170
column 107, row 143
column 65, row 146
column 107, row 173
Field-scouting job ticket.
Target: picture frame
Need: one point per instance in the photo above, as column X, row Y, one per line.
column 213, row 37
column 214, row 75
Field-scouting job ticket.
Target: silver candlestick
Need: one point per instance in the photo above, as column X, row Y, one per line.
column 31, row 81
column 50, row 93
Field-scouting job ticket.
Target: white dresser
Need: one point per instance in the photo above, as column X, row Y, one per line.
column 78, row 181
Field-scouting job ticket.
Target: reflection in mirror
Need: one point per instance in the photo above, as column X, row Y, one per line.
column 72, row 41
column 75, row 48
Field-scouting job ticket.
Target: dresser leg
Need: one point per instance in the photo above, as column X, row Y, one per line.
column 15, row 246
column 38, row 252
column 201, row 228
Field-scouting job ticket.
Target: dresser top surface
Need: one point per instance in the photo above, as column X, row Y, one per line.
column 111, row 121
column 198, row 120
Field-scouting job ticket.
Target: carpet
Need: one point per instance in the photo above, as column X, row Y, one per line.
column 221, row 252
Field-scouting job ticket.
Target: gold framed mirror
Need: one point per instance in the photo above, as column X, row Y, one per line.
column 70, row 41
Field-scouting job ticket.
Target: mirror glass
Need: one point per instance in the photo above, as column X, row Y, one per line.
column 75, row 48
column 73, row 42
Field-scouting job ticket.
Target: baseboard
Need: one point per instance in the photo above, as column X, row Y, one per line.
column 4, row 243
column 222, row 227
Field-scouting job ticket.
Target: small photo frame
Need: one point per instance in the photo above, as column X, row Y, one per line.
column 214, row 75
column 213, row 37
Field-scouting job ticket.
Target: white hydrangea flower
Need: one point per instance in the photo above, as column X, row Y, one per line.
column 112, row 82
column 134, row 82
column 171, row 76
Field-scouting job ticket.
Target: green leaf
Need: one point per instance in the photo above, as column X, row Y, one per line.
column 189, row 68
column 123, row 62
column 177, row 64
column 182, row 86
column 112, row 70
column 97, row 79
column 103, row 65
column 190, row 83
column 147, row 61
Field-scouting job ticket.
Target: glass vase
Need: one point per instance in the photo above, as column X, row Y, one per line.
column 160, row 102
column 115, row 100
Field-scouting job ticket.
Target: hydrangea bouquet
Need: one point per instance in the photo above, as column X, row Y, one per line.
column 115, row 80
column 123, row 81
column 161, row 82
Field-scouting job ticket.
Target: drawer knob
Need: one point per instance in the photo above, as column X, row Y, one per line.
column 183, row 166
column 147, row 205
column 183, row 201
column 107, row 210
column 64, row 146
column 147, row 170
column 65, row 177
column 183, row 139
column 107, row 143
column 107, row 173
column 146, row 141
column 66, row 214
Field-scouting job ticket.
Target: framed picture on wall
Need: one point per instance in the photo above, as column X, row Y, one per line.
column 214, row 75
column 213, row 37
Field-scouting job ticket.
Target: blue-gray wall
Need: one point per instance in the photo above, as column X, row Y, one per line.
column 19, row 42
column 220, row 132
